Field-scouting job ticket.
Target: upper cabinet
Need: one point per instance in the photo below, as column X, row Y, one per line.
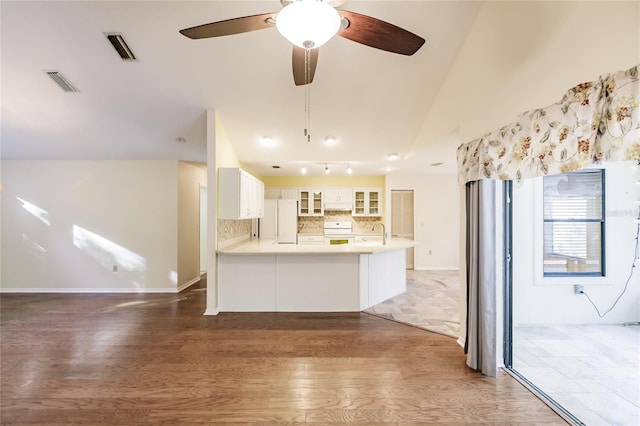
column 338, row 199
column 289, row 193
column 240, row 194
column 366, row 202
column 281, row 193
column 272, row 193
column 317, row 201
column 310, row 202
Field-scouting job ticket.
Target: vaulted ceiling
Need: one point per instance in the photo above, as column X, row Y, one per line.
column 371, row 101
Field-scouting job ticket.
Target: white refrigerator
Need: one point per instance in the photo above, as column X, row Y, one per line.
column 280, row 221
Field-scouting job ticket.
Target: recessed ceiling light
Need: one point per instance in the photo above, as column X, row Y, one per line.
column 268, row 141
column 393, row 156
column 387, row 169
column 330, row 141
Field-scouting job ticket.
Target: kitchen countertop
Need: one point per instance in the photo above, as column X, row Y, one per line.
column 259, row 246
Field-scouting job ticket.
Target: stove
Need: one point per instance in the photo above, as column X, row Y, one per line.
column 340, row 232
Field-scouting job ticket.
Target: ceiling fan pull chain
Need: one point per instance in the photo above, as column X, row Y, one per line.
column 308, row 89
column 307, row 93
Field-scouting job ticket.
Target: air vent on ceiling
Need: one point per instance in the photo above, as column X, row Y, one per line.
column 62, row 81
column 121, row 46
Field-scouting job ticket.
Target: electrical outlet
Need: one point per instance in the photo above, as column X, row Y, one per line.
column 577, row 288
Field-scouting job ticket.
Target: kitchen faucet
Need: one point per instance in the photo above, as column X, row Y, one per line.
column 384, row 232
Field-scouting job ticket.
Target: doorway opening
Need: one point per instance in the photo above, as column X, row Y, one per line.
column 402, row 219
column 572, row 337
column 431, row 299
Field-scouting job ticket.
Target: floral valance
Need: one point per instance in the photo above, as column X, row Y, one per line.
column 594, row 121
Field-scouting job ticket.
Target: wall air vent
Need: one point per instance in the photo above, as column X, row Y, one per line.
column 62, row 81
column 121, row 46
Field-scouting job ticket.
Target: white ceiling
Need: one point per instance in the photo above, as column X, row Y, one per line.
column 373, row 102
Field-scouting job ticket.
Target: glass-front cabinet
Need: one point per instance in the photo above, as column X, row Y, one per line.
column 310, row 202
column 366, row 202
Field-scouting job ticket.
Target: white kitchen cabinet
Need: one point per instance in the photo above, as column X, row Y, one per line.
column 338, row 198
column 310, row 239
column 310, row 202
column 259, row 198
column 367, row 202
column 289, row 193
column 281, row 193
column 240, row 194
column 272, row 193
column 369, row 238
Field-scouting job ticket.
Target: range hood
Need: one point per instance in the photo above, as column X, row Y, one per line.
column 338, row 206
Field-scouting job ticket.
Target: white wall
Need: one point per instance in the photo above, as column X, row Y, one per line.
column 436, row 214
column 540, row 300
column 524, row 55
column 190, row 178
column 214, row 133
column 204, row 244
column 65, row 224
column 521, row 55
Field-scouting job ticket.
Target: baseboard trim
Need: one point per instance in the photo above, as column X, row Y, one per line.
column 211, row 311
column 189, row 283
column 438, row 268
column 87, row 290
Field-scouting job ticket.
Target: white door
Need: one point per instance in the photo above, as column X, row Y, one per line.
column 402, row 218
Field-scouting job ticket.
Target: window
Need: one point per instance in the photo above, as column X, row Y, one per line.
column 573, row 205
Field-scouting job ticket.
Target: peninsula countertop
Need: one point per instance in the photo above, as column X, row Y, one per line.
column 261, row 246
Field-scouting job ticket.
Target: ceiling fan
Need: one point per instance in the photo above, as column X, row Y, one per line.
column 308, row 24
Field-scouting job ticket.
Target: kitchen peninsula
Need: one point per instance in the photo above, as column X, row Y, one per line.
column 263, row 276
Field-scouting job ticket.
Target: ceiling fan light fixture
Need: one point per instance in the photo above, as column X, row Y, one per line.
column 308, row 23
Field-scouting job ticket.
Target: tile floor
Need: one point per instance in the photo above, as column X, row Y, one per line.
column 591, row 370
column 430, row 302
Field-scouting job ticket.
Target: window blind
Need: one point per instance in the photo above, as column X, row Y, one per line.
column 573, row 223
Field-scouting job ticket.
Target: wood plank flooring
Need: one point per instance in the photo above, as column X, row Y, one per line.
column 123, row 359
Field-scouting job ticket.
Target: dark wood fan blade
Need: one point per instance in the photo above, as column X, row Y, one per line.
column 303, row 74
column 379, row 34
column 231, row 26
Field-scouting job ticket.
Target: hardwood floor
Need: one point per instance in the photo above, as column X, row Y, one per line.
column 155, row 359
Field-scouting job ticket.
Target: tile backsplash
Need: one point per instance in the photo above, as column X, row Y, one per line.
column 361, row 225
column 310, row 224
column 230, row 229
column 367, row 225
